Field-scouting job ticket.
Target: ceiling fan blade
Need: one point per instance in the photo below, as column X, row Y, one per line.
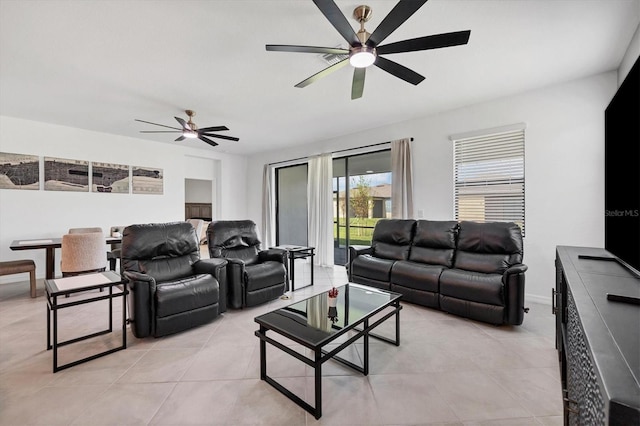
column 429, row 42
column 156, row 124
column 306, row 49
column 400, row 13
column 398, row 70
column 317, row 76
column 331, row 11
column 161, row 131
column 181, row 138
column 207, row 140
column 211, row 135
column 213, row 129
column 183, row 123
column 357, row 87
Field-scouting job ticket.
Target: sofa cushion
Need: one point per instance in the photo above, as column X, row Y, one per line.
column 372, row 267
column 392, row 238
column 474, row 286
column 416, row 275
column 187, row 294
column 434, row 242
column 490, row 247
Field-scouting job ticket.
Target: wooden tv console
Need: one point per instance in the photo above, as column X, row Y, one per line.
column 598, row 340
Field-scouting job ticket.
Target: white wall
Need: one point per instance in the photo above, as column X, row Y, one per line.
column 630, row 57
column 28, row 214
column 198, row 191
column 564, row 165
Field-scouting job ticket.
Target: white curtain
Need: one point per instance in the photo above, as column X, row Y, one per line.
column 268, row 222
column 401, row 179
column 320, row 205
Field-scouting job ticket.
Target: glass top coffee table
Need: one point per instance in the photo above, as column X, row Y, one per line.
column 320, row 320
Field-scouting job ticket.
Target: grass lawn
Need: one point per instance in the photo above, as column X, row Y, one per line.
column 360, row 231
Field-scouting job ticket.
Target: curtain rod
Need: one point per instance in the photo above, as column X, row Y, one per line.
column 342, row 150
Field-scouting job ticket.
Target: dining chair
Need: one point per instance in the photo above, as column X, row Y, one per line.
column 82, row 253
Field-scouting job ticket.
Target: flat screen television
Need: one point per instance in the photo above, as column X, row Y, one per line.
column 622, row 173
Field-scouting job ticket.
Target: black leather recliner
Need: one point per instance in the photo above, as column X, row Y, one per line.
column 254, row 276
column 171, row 288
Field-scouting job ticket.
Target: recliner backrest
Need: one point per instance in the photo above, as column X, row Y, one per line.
column 392, row 238
column 234, row 239
column 490, row 247
column 434, row 242
column 165, row 251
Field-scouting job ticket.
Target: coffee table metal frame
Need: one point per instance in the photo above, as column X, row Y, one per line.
column 362, row 328
column 111, row 279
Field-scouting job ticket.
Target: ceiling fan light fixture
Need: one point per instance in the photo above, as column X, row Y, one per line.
column 190, row 134
column 362, row 56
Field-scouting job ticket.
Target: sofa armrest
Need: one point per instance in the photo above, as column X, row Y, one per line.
column 355, row 251
column 273, row 254
column 218, row 268
column 142, row 287
column 513, row 280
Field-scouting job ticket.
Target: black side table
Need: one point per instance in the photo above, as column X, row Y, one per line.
column 297, row 252
column 59, row 287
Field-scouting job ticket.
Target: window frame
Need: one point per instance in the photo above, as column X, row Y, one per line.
column 499, row 152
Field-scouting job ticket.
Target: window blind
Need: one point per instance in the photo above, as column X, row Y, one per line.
column 489, row 177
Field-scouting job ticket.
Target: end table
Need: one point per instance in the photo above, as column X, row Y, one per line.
column 62, row 287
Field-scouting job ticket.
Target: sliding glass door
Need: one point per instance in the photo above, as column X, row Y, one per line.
column 361, row 197
column 291, row 205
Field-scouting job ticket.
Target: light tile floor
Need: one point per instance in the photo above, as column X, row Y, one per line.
column 447, row 371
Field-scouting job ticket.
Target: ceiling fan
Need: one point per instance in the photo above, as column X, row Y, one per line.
column 189, row 130
column 364, row 48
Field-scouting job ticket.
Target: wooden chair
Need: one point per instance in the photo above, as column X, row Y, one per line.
column 21, row 266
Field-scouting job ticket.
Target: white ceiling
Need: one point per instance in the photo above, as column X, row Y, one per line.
column 99, row 65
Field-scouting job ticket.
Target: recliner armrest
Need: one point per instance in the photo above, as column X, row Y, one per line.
column 513, row 280
column 218, row 268
column 273, row 254
column 138, row 276
column 516, row 269
column 142, row 288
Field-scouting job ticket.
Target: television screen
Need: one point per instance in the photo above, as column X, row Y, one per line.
column 622, row 172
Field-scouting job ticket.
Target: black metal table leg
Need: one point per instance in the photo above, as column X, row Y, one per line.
column 263, row 354
column 318, row 384
column 55, row 333
column 366, row 349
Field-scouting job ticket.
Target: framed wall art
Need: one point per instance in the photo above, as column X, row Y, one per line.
column 146, row 180
column 62, row 174
column 18, row 171
column 109, row 178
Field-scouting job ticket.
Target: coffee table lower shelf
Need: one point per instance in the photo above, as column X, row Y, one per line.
column 361, row 328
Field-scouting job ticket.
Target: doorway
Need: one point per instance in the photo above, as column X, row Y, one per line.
column 198, row 197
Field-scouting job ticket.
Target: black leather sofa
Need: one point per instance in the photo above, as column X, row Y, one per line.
column 171, row 288
column 465, row 268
